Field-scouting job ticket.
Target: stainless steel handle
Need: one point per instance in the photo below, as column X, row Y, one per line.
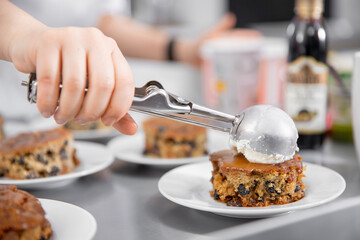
column 153, row 99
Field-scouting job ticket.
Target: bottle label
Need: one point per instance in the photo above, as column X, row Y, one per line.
column 306, row 94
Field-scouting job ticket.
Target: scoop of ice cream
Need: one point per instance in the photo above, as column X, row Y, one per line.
column 266, row 134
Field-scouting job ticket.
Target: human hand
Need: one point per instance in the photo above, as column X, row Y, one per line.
column 189, row 51
column 73, row 55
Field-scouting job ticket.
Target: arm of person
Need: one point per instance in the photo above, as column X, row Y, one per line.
column 143, row 41
column 73, row 56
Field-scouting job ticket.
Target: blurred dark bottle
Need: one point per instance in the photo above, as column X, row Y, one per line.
column 307, row 73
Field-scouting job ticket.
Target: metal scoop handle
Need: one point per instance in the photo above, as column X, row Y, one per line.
column 153, row 99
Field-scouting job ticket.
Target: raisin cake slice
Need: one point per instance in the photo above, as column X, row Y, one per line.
column 22, row 216
column 38, row 154
column 165, row 138
column 238, row 182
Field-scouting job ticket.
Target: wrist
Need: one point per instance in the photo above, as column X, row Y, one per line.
column 185, row 51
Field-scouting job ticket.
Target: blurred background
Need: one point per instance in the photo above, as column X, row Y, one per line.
column 188, row 18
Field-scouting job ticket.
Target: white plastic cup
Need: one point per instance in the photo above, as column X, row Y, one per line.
column 230, row 73
column 272, row 71
column 355, row 101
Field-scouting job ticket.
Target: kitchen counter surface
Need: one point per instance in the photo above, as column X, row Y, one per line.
column 126, row 203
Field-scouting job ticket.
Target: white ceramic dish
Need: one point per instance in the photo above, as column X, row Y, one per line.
column 93, row 157
column 38, row 124
column 130, row 149
column 189, row 186
column 69, row 221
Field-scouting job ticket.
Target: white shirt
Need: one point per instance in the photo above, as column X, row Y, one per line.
column 54, row 13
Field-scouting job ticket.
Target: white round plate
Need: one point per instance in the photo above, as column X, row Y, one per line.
column 93, row 157
column 38, row 124
column 68, row 221
column 130, row 149
column 95, row 134
column 189, row 186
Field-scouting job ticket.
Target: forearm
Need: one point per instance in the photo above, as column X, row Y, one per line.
column 14, row 25
column 135, row 39
column 139, row 40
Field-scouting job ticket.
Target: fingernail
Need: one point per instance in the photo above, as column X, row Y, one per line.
column 60, row 121
column 109, row 121
column 47, row 114
column 80, row 121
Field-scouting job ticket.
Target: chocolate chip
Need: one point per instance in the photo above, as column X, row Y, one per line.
column 297, row 188
column 42, row 238
column 13, row 160
column 216, row 195
column 66, row 142
column 212, row 179
column 21, row 160
column 188, row 154
column 242, row 190
column 32, row 175
column 54, row 171
column 63, row 154
column 41, row 159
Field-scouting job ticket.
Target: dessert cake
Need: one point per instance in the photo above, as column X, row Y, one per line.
column 38, row 154
column 238, row 182
column 166, row 138
column 2, row 135
column 72, row 125
column 21, row 216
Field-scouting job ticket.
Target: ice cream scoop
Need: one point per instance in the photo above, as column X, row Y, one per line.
column 260, row 129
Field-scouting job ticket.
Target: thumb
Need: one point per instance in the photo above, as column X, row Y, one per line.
column 227, row 22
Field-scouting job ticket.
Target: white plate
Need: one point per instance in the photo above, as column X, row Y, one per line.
column 95, row 134
column 190, row 185
column 68, row 221
column 93, row 157
column 130, row 149
column 14, row 127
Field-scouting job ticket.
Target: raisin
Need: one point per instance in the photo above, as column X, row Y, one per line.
column 270, row 187
column 32, row 175
column 242, row 190
column 161, row 129
column 49, row 153
column 216, row 195
column 63, row 154
column 21, row 160
column 93, row 126
column 233, row 203
column 13, row 160
column 42, row 238
column 206, row 152
column 192, row 144
column 41, row 159
column 212, row 179
column 297, row 188
column 54, row 171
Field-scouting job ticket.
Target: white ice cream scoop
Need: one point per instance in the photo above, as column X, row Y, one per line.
column 263, row 129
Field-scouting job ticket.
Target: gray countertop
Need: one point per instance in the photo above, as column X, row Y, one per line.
column 126, row 203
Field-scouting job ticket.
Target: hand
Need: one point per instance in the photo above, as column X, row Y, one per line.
column 76, row 54
column 189, row 51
